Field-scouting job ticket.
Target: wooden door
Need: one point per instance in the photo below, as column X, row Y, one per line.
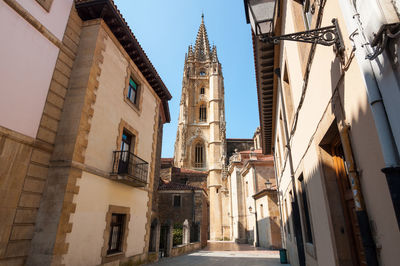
column 348, row 204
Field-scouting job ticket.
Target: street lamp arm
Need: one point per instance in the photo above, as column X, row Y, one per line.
column 326, row 36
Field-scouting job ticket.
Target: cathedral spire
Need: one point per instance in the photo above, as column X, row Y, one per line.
column 214, row 56
column 202, row 46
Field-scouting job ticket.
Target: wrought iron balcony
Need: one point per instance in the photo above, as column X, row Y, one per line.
column 129, row 169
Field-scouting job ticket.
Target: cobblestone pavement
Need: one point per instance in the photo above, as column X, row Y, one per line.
column 229, row 254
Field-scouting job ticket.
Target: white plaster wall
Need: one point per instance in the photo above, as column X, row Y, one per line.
column 55, row 20
column 110, row 108
column 319, row 211
column 26, row 67
column 235, row 209
column 264, row 227
column 324, row 76
column 89, row 220
column 369, row 159
column 249, row 200
column 290, row 50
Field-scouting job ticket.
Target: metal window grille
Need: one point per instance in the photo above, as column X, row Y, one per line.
column 116, row 233
column 126, row 163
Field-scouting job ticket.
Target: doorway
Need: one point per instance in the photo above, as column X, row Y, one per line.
column 348, row 204
column 164, row 241
column 345, row 228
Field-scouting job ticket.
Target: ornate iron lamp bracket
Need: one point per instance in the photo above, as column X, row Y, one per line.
column 326, row 36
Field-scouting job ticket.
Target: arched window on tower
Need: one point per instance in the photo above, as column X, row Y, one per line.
column 199, row 156
column 202, row 90
column 202, row 113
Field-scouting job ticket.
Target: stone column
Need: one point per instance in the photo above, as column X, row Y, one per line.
column 186, row 232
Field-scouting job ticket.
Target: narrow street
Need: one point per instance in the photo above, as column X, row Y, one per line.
column 221, row 254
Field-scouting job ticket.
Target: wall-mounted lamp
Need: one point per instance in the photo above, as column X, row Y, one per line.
column 268, row 184
column 262, row 15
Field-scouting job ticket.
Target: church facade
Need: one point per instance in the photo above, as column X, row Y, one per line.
column 201, row 141
column 201, row 145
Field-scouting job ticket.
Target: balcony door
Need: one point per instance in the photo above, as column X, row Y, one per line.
column 127, row 147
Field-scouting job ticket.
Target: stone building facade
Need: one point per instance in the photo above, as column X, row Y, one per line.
column 78, row 178
column 181, row 200
column 328, row 117
column 200, row 141
column 253, row 207
column 39, row 41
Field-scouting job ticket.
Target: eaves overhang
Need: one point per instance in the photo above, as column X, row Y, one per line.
column 264, row 60
column 107, row 10
column 263, row 193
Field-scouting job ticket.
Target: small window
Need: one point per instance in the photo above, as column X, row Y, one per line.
column 306, row 213
column 262, row 211
column 116, row 233
column 132, row 91
column 202, row 90
column 177, row 200
column 287, row 94
column 287, row 223
column 199, row 156
column 202, row 113
column 202, row 73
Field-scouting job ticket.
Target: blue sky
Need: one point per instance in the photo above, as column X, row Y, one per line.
column 166, row 28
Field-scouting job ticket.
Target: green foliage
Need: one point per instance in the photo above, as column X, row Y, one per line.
column 177, row 234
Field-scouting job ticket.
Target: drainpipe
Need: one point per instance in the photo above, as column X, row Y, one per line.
column 296, row 213
column 362, row 216
column 283, row 239
column 385, row 134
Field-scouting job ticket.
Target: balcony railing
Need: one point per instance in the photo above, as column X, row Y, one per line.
column 130, row 169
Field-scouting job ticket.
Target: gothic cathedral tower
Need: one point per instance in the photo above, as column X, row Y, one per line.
column 200, row 140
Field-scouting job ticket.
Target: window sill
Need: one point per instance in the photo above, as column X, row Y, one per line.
column 114, row 254
column 135, row 107
column 113, row 257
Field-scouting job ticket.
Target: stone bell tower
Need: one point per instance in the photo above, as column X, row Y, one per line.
column 200, row 141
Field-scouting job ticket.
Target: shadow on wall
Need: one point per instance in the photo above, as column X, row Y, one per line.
column 241, row 233
column 269, row 235
column 333, row 180
column 250, row 236
column 329, row 176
